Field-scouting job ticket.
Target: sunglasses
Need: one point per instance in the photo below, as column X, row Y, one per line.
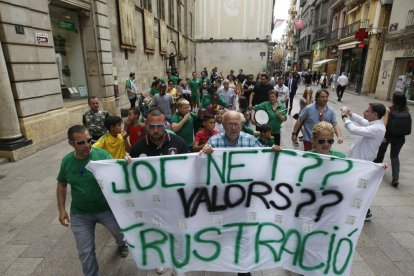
column 83, row 142
column 153, row 126
column 323, row 141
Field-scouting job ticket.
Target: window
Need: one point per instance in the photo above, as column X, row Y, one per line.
column 324, row 13
column 178, row 16
column 146, row 4
column 69, row 53
column 171, row 13
column 190, row 26
column 317, row 15
column 161, row 9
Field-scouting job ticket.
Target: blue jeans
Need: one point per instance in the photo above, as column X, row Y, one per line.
column 83, row 228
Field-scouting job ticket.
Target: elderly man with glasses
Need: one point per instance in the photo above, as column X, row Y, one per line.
column 88, row 206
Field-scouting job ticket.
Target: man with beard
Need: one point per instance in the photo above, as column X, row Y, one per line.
column 311, row 115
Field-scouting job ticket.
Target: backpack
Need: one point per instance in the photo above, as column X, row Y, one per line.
column 399, row 123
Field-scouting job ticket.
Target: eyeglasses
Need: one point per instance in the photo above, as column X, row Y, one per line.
column 153, row 126
column 320, row 116
column 323, row 141
column 83, row 142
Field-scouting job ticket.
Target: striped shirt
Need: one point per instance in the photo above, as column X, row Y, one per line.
column 243, row 141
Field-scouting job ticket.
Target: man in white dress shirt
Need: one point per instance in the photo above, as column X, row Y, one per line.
column 370, row 131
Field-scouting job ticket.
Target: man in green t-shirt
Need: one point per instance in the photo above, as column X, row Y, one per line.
column 88, row 206
column 195, row 86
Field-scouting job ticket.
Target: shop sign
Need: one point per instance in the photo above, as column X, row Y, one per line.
column 399, row 45
column 67, row 26
column 42, row 39
column 409, row 53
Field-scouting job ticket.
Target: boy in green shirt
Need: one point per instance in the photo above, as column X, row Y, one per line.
column 183, row 122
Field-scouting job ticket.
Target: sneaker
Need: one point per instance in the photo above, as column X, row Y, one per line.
column 123, row 251
column 395, row 182
column 162, row 270
column 368, row 215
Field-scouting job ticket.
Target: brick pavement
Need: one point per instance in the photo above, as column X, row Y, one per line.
column 32, row 242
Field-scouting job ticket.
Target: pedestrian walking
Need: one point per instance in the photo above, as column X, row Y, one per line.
column 398, row 124
column 341, row 86
column 131, row 89
column 94, row 119
column 311, row 115
column 88, row 206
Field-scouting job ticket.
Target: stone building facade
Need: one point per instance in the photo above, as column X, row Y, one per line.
column 57, row 53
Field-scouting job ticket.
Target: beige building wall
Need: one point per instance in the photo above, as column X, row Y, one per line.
column 232, row 34
column 398, row 47
column 147, row 65
column 44, row 116
column 238, row 19
column 232, row 56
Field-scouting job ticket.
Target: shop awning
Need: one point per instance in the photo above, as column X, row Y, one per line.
column 321, row 62
column 348, row 45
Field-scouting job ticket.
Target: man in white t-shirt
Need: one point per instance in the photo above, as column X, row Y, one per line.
column 342, row 83
column 282, row 92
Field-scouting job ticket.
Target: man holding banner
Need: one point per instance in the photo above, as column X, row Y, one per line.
column 158, row 142
column 88, row 206
column 232, row 137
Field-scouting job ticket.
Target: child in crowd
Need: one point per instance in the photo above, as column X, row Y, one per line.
column 204, row 134
column 198, row 122
column 183, row 122
column 219, row 121
column 265, row 138
column 134, row 128
column 115, row 141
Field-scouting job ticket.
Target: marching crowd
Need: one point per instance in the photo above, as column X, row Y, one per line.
column 202, row 113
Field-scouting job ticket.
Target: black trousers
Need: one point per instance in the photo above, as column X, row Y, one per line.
column 340, row 91
column 133, row 101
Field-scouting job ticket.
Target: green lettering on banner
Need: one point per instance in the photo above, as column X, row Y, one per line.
column 330, row 248
column 276, row 158
column 240, row 226
column 187, row 249
column 127, row 189
column 150, row 168
column 155, row 245
column 221, row 173
column 348, row 257
column 302, row 252
column 217, row 245
column 232, row 166
column 266, row 243
column 297, row 251
column 162, row 167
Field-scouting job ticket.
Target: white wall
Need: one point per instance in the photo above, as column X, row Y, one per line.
column 232, row 55
column 239, row 19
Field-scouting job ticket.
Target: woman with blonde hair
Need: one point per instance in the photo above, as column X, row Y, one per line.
column 323, row 139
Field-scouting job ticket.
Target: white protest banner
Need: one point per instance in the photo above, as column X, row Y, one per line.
column 241, row 210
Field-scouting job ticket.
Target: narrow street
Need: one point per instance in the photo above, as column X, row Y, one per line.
column 32, row 242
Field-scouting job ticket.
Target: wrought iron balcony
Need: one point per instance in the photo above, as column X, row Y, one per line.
column 319, row 34
column 349, row 30
column 333, row 36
